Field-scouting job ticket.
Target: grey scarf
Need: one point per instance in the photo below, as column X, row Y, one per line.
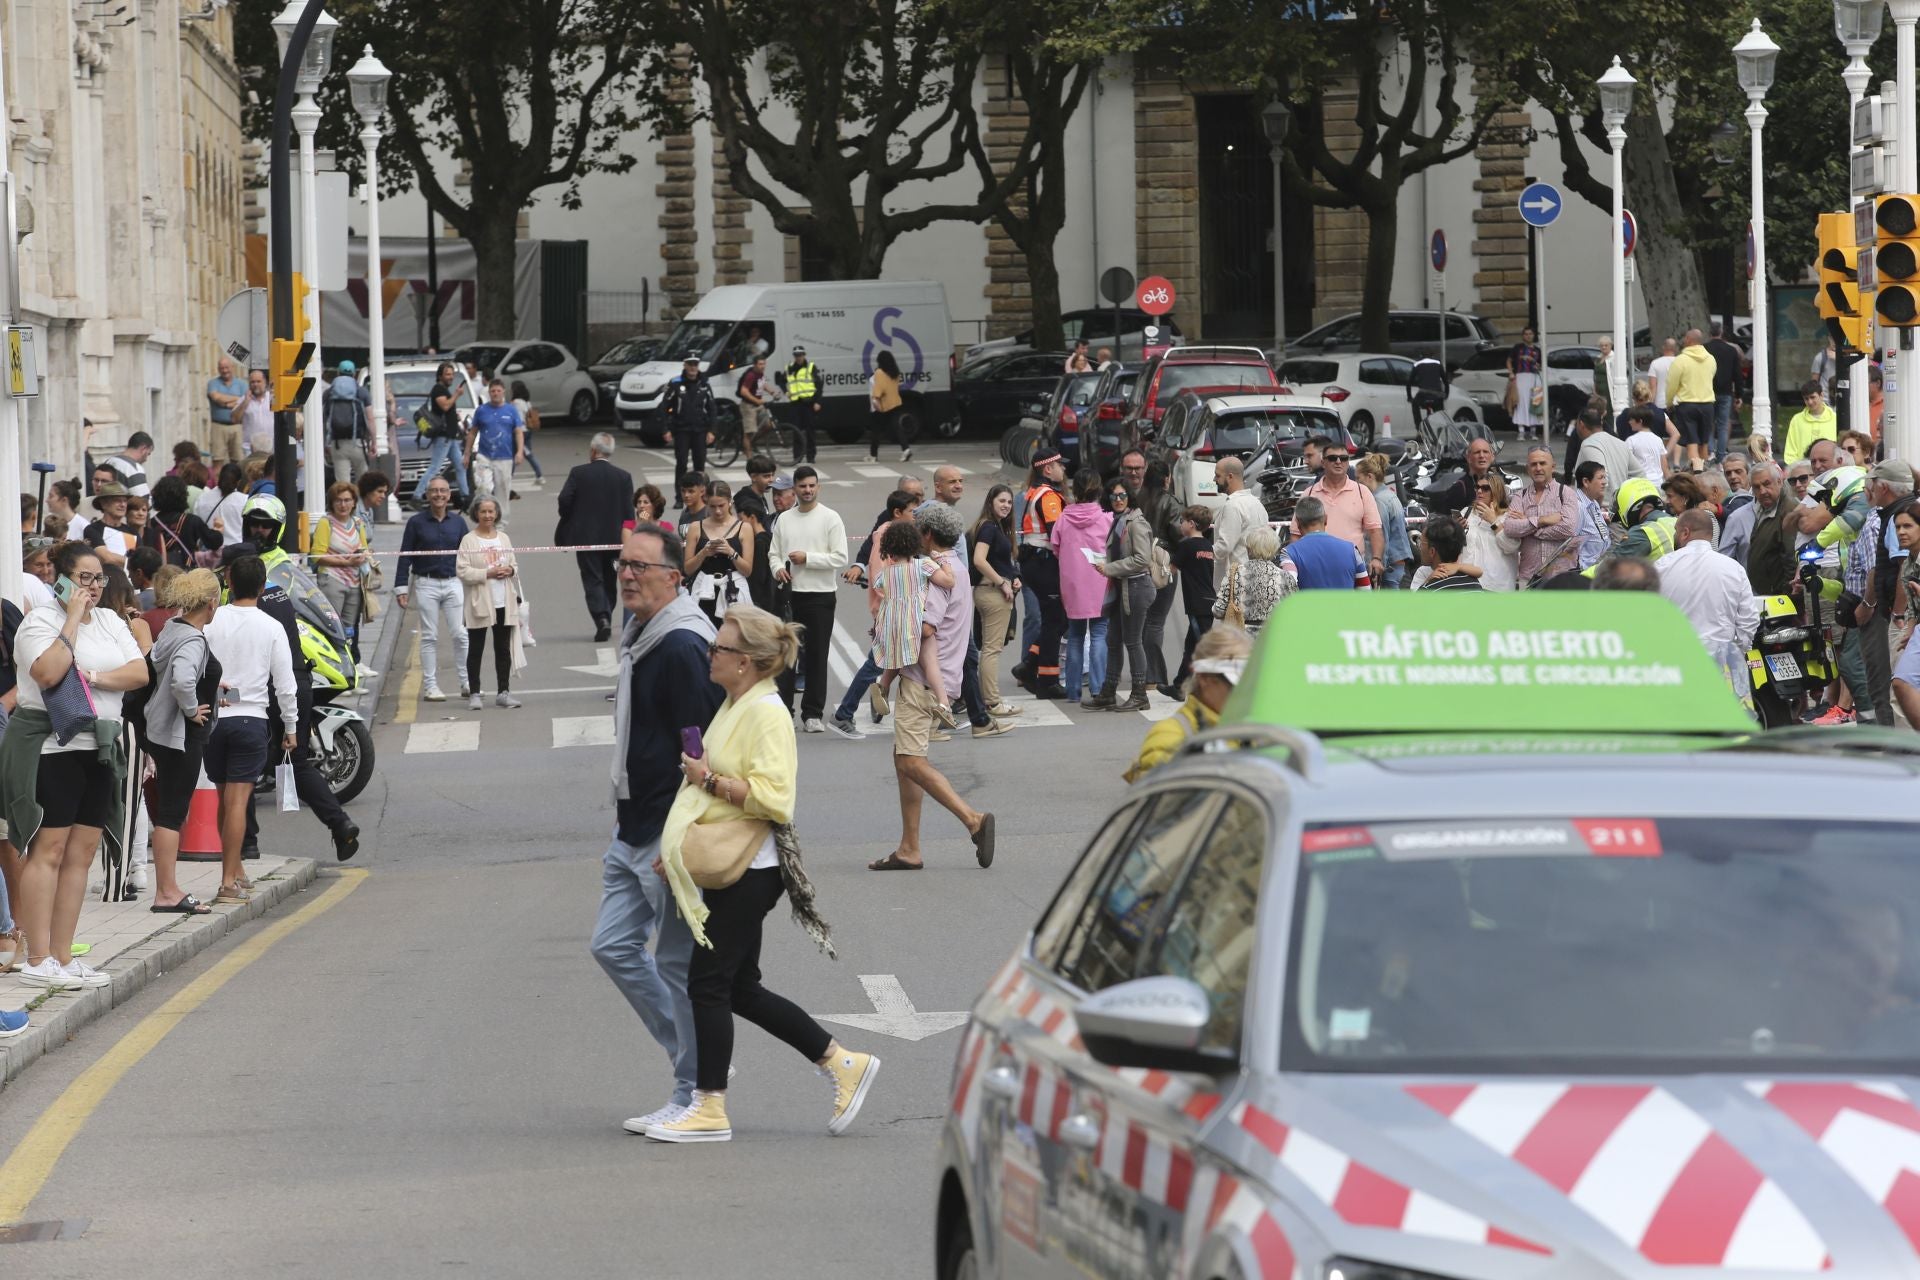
column 636, row 642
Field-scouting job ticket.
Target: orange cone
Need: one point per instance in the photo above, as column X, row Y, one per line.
column 200, row 837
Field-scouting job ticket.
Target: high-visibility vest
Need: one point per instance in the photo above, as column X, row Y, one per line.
column 800, row 382
column 1033, row 520
column 1660, row 536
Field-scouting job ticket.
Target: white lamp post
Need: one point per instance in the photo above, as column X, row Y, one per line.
column 1277, row 120
column 367, row 79
column 306, row 119
column 1616, row 100
column 1753, row 57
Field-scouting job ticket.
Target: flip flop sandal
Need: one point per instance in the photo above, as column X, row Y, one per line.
column 80, row 948
column 187, row 906
column 893, row 862
column 983, row 841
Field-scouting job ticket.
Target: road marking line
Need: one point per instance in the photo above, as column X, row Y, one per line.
column 409, row 696
column 874, row 472
column 582, row 731
column 33, row 1161
column 578, row 688
column 444, row 735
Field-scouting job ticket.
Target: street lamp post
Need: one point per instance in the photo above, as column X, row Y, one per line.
column 367, row 79
column 1277, row 120
column 1616, row 100
column 1856, row 23
column 1754, row 57
column 314, row 64
column 1901, row 433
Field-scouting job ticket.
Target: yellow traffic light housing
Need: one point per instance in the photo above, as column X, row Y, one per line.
column 298, row 291
column 287, row 372
column 1896, row 260
column 1839, row 296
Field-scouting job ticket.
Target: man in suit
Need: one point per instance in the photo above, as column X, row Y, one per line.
column 596, row 500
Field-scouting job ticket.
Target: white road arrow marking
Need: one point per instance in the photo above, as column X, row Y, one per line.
column 605, row 665
column 893, row 1014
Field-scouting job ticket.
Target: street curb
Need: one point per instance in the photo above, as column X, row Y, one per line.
column 62, row 1014
column 383, row 653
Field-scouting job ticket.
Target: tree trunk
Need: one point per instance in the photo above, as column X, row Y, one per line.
column 491, row 232
column 1046, row 217
column 1668, row 270
column 1376, row 288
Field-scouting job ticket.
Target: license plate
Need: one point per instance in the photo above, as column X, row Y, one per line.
column 1781, row 666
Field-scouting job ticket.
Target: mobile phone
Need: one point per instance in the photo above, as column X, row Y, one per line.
column 690, row 741
column 63, row 588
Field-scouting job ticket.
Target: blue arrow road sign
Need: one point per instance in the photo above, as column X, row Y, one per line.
column 1540, row 204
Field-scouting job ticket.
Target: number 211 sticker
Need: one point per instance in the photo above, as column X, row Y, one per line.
column 1620, row 837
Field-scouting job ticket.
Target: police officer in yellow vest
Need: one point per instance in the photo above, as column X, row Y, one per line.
column 802, row 384
column 1650, row 532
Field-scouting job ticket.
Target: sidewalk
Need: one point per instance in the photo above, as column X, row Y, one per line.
column 136, row 946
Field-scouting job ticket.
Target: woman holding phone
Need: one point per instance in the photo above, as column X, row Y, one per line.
column 59, row 797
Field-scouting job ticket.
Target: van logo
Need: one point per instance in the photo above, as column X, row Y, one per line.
column 886, row 335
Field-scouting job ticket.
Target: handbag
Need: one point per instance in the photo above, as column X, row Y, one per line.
column 70, row 704
column 716, row 854
column 1233, row 614
column 1160, row 566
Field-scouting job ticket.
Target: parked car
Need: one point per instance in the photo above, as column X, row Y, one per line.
column 1064, row 414
column 1366, row 390
column 1104, row 433
column 1220, row 370
column 556, row 384
column 614, row 362
column 410, row 381
column 1569, row 383
column 1199, row 429
column 1415, row 334
column 993, row 393
column 1095, row 324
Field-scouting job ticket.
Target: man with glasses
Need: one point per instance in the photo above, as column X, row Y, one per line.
column 663, row 690
column 431, row 577
column 1351, row 512
column 1544, row 519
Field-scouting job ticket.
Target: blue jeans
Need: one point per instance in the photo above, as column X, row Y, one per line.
column 633, row 901
column 1722, row 425
column 862, row 681
column 1029, row 622
column 1083, row 633
column 443, row 452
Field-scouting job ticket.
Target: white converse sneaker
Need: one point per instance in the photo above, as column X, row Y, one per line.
column 50, row 975
column 86, row 975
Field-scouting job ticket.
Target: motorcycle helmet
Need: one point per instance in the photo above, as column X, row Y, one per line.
column 1638, row 500
column 266, row 514
column 1838, row 487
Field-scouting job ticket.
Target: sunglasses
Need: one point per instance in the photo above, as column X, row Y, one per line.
column 1333, row 457
column 1120, row 497
column 1483, row 488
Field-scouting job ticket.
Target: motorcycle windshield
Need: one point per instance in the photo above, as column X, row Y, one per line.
column 308, row 604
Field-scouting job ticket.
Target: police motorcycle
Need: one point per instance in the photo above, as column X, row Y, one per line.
column 1790, row 659
column 341, row 743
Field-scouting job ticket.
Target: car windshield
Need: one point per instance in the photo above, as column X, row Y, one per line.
column 623, row 352
column 481, row 357
column 1178, row 377
column 1308, row 372
column 1606, row 945
column 1080, row 388
column 413, row 384
column 1493, row 358
column 1251, row 429
column 694, row 340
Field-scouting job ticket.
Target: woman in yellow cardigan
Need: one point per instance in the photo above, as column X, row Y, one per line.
column 1218, row 661
column 748, row 770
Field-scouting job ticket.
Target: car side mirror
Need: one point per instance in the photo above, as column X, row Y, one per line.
column 1034, row 408
column 1153, row 1023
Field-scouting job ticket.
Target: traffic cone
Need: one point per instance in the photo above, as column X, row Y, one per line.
column 1386, row 426
column 200, row 837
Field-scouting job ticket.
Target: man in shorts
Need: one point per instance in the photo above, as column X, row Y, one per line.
column 256, row 668
column 950, row 610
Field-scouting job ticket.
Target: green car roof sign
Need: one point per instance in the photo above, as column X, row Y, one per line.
column 1543, row 662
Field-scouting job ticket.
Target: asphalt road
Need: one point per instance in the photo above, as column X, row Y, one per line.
column 430, row 1077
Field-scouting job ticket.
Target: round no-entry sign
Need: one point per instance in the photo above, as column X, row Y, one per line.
column 1439, row 250
column 1629, row 233
column 1156, row 295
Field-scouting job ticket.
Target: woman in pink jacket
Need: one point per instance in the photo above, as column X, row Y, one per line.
column 1080, row 543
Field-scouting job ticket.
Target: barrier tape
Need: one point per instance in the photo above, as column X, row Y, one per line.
column 518, row 551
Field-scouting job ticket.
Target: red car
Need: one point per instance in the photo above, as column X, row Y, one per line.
column 1215, row 370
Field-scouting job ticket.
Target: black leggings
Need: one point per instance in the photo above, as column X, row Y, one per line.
column 502, row 651
column 897, row 423
column 724, row 980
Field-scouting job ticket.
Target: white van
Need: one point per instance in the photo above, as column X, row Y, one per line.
column 843, row 324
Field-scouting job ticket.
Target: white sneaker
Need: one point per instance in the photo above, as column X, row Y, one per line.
column 466, row 691
column 432, row 694
column 664, row 1115
column 86, row 975
column 476, row 702
column 50, row 975
column 141, row 877
column 815, row 725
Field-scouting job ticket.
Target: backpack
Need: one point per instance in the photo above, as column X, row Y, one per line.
column 343, row 417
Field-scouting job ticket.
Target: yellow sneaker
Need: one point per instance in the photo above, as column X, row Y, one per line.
column 704, row 1121
column 852, row 1075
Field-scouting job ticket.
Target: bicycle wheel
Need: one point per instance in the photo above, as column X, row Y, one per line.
column 778, row 441
column 725, row 450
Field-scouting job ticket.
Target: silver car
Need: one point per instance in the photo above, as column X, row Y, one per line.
column 1463, row 1004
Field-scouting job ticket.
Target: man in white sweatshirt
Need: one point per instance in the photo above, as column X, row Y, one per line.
column 255, row 665
column 809, row 548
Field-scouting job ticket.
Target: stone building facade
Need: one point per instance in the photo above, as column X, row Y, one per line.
column 125, row 146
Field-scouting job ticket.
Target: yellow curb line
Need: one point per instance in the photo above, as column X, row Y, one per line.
column 33, row 1161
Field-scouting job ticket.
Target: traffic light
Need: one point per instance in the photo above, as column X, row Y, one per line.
column 287, row 372
column 1896, row 260
column 298, row 290
column 1839, row 295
